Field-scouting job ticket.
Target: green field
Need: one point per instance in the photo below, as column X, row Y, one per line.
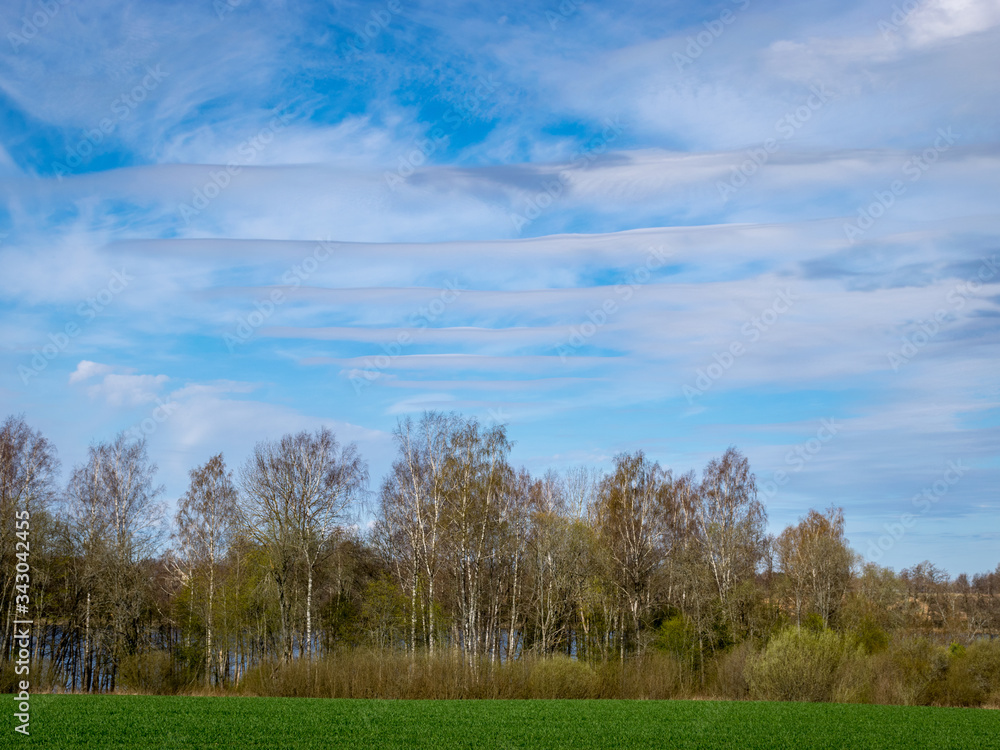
column 75, row 721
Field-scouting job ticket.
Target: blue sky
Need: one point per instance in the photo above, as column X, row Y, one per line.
column 667, row 226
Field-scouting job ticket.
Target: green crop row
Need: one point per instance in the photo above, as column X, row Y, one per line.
column 118, row 721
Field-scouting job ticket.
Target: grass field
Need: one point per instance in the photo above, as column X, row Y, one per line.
column 75, row 721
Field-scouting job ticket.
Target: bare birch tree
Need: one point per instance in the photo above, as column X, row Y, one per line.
column 479, row 484
column 816, row 562
column 411, row 508
column 731, row 525
column 631, row 517
column 206, row 521
column 297, row 492
column 118, row 524
column 28, row 465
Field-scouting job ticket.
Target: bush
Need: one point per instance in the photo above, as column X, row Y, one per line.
column 869, row 636
column 919, row 665
column 8, row 677
column 796, row 665
column 362, row 673
column 371, row 673
column 559, row 676
column 872, row 678
column 972, row 677
column 799, row 665
column 153, row 673
column 728, row 673
column 652, row 675
column 813, row 623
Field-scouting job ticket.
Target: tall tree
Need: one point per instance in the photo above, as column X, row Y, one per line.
column 480, row 483
column 206, row 521
column 731, row 525
column 580, row 486
column 632, row 515
column 411, row 514
column 927, row 585
column 816, row 562
column 118, row 524
column 559, row 561
column 28, row 466
column 297, row 491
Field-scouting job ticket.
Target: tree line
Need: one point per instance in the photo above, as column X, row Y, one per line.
column 465, row 557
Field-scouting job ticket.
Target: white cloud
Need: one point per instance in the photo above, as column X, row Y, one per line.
column 128, row 390
column 87, row 369
column 935, row 20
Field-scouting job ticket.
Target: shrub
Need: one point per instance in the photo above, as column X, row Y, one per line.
column 8, row 677
column 728, row 673
column 872, row 678
column 372, row 673
column 653, row 675
column 813, row 623
column 799, row 665
column 154, row 673
column 972, row 677
column 559, row 676
column 363, row 673
column 919, row 665
column 869, row 636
